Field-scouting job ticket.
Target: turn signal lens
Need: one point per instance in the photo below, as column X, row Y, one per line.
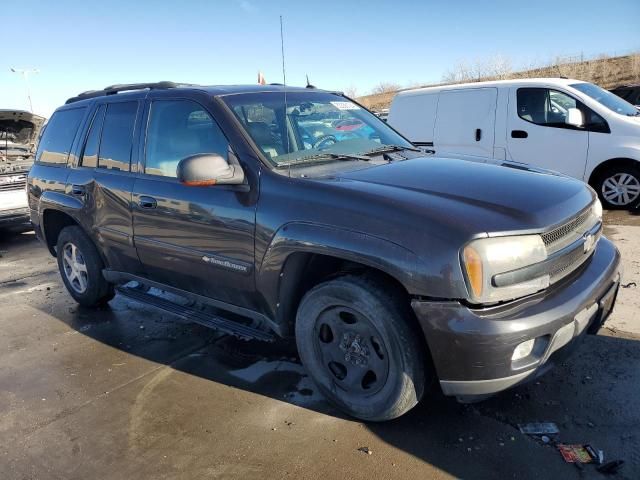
column 473, row 265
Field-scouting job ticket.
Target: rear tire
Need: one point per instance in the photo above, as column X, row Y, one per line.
column 81, row 267
column 359, row 344
column 618, row 186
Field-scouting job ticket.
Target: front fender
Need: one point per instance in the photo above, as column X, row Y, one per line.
column 393, row 259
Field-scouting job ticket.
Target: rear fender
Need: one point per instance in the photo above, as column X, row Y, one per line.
column 60, row 202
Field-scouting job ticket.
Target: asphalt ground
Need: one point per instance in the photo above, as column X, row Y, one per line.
column 131, row 392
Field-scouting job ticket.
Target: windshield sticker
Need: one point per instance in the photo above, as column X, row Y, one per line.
column 345, row 106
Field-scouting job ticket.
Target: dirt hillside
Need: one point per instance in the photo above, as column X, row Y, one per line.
column 608, row 72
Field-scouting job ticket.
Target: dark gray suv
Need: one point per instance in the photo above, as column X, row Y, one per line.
column 296, row 212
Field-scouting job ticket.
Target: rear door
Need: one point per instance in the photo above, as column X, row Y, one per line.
column 465, row 122
column 103, row 180
column 537, row 132
column 414, row 115
column 198, row 239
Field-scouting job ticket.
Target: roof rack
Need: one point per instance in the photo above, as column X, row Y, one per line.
column 125, row 87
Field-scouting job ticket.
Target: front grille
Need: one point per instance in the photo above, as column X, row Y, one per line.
column 13, row 181
column 570, row 262
column 557, row 234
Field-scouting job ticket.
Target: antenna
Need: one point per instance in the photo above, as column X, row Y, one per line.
column 308, row 84
column 284, row 86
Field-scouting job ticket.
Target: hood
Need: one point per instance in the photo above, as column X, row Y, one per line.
column 473, row 197
column 19, row 129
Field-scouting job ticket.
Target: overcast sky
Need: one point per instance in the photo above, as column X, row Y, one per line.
column 83, row 45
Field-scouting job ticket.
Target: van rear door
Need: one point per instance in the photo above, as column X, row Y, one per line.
column 414, row 115
column 465, row 122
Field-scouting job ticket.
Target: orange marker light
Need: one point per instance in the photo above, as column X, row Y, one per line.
column 473, row 264
column 199, row 183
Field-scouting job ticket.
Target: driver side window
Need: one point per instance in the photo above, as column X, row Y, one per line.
column 544, row 106
column 178, row 129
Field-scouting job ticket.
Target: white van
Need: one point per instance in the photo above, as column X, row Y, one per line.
column 570, row 126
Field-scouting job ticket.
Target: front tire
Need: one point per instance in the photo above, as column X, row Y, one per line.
column 619, row 186
column 81, row 267
column 358, row 343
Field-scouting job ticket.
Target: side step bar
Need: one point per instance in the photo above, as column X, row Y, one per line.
column 223, row 325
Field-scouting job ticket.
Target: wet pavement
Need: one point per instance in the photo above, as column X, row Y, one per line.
column 130, row 392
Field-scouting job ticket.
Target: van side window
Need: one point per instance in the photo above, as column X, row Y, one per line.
column 117, row 136
column 178, row 129
column 55, row 145
column 543, row 106
column 90, row 152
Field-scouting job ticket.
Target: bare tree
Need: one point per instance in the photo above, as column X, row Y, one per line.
column 385, row 87
column 351, row 91
column 496, row 67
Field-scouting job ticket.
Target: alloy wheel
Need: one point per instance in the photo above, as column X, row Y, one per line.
column 621, row 189
column 75, row 268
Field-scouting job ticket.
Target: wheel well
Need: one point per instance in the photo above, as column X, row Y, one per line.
column 303, row 271
column 52, row 224
column 612, row 163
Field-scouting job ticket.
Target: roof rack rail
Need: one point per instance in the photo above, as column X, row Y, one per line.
column 124, row 87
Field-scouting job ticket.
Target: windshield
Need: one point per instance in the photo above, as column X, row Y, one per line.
column 317, row 124
column 606, row 98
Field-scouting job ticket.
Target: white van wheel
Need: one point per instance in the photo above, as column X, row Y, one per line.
column 619, row 187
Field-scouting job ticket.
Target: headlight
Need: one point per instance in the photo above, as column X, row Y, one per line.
column 485, row 258
column 597, row 208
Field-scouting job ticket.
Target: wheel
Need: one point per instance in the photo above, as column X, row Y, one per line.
column 81, row 268
column 619, row 186
column 359, row 345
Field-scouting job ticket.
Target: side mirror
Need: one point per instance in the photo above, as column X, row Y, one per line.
column 574, row 117
column 205, row 169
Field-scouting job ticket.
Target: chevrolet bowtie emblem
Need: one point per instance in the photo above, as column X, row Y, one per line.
column 589, row 241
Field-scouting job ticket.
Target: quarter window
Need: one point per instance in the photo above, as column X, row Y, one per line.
column 117, row 135
column 90, row 153
column 55, row 145
column 178, row 129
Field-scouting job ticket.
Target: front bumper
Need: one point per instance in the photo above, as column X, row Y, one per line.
column 14, row 216
column 472, row 348
column 14, row 209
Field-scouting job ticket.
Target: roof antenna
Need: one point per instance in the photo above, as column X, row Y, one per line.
column 284, row 86
column 308, row 84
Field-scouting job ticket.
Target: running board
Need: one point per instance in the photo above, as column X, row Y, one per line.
column 221, row 324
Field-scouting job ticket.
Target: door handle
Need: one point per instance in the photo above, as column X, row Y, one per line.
column 478, row 134
column 78, row 190
column 519, row 134
column 147, row 202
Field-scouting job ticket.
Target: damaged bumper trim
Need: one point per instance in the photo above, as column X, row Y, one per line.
column 482, row 387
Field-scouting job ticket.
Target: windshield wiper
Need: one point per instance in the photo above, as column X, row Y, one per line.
column 322, row 157
column 391, row 148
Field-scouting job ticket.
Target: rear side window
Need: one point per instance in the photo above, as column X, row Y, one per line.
column 90, row 153
column 178, row 129
column 117, row 135
column 55, row 145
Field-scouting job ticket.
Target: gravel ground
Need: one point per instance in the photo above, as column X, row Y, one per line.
column 128, row 392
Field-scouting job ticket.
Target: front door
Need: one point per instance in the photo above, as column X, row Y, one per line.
column 537, row 132
column 198, row 239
